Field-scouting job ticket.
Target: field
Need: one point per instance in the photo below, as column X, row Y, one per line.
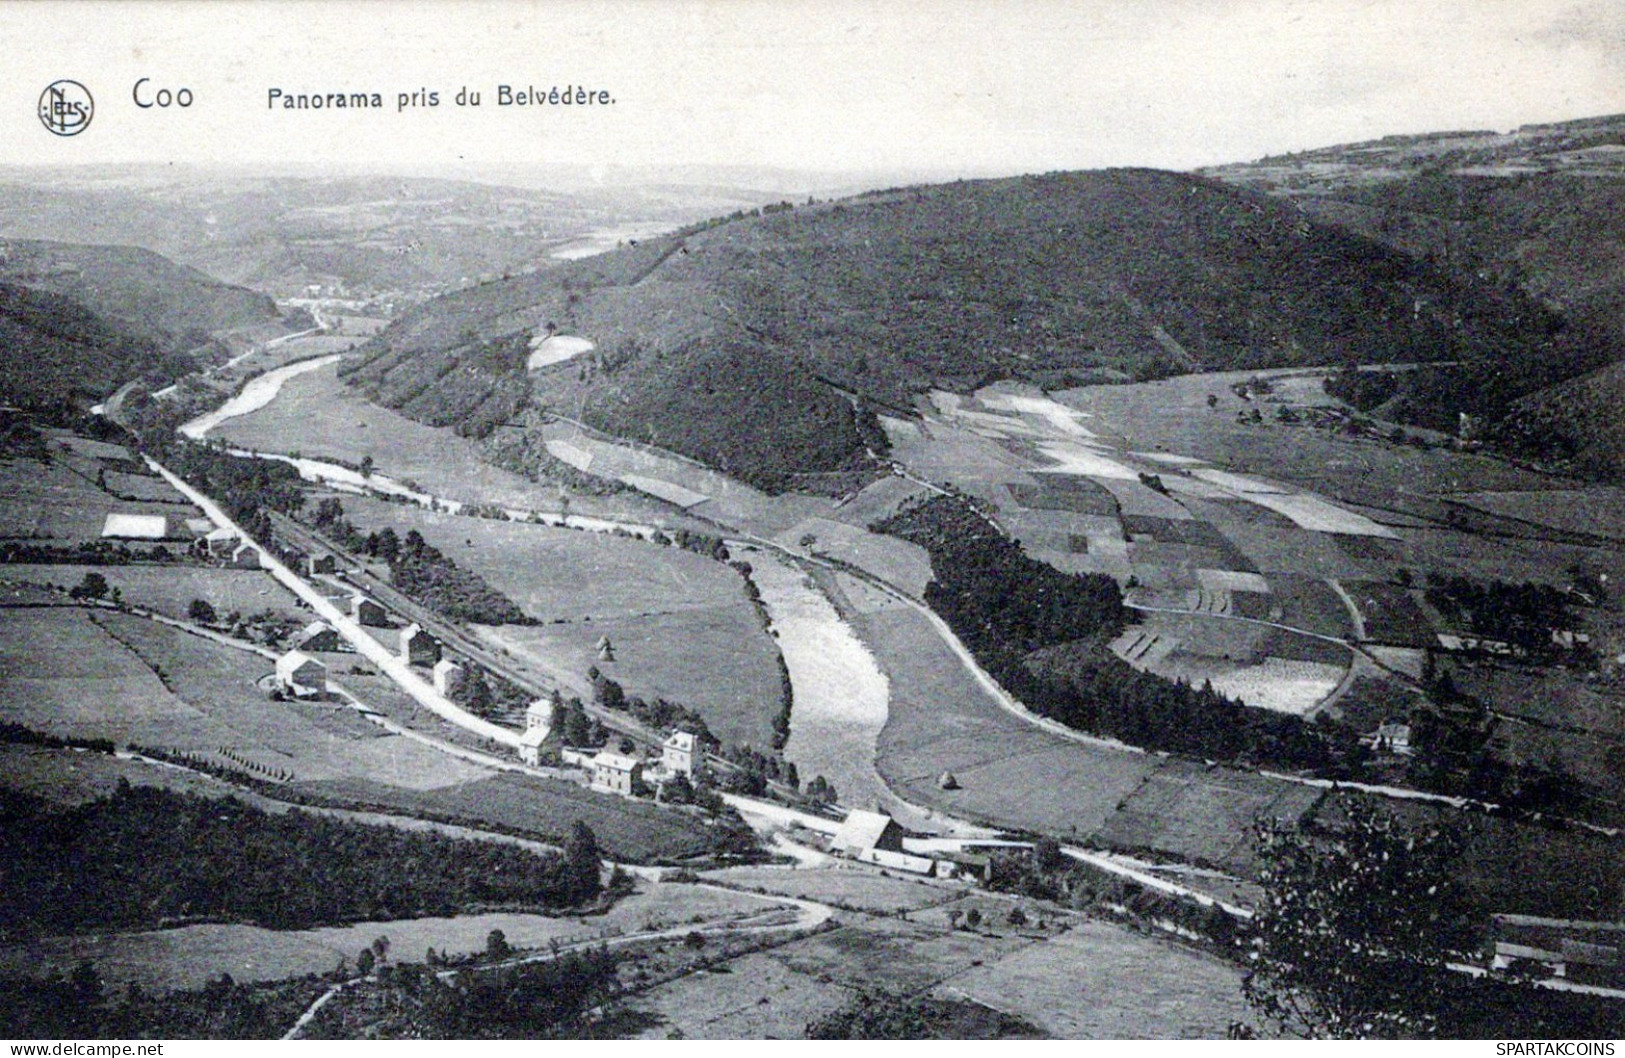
column 1101, row 981
column 1010, row 772
column 1598, row 510
column 61, row 673
column 318, row 416
column 189, row 956
column 1188, row 812
column 681, row 625
column 49, row 502
column 170, row 589
column 852, row 888
column 544, row 808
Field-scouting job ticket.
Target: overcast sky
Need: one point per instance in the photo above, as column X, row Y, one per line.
column 976, row 87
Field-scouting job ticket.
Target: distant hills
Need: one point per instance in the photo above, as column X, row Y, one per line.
column 76, row 322
column 1540, row 209
column 354, row 236
column 762, row 343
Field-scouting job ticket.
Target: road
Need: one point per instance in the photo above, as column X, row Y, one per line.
column 365, row 645
column 810, row 915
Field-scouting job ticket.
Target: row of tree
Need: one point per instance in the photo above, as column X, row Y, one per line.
column 1042, row 633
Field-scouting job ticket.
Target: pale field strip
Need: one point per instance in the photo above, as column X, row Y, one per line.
column 665, row 490
column 1072, row 458
column 1058, row 416
column 259, row 392
column 1235, row 482
column 547, row 350
column 1226, row 580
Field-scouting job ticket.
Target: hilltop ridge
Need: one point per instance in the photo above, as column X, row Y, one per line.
column 1058, row 279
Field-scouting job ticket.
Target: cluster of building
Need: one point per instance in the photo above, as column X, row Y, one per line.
column 300, row 674
column 626, row 774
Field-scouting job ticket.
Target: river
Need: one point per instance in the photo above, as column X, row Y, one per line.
column 840, row 693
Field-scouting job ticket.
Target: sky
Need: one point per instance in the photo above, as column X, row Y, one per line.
column 940, row 86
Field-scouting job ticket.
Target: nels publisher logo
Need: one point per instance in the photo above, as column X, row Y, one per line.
column 65, row 107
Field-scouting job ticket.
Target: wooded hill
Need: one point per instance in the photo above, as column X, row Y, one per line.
column 1540, row 210
column 76, row 322
column 733, row 341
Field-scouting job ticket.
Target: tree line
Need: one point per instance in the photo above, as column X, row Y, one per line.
column 1042, row 634
column 144, row 857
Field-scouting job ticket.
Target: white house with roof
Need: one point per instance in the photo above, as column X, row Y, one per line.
column 538, row 723
column 862, row 832
column 448, row 676
column 301, row 675
column 319, row 637
column 418, row 647
column 220, row 543
column 617, row 773
column 677, row 754
column 368, row 613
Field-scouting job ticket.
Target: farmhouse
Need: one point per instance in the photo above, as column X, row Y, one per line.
column 448, row 676
column 677, row 754
column 1390, row 737
column 418, row 647
column 863, row 832
column 135, row 527
column 301, row 675
column 246, row 556
column 198, row 528
column 220, row 543
column 319, row 637
column 617, row 774
column 1583, row 952
column 530, row 745
column 368, row 613
column 538, row 723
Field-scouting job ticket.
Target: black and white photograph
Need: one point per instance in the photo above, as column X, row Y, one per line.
column 647, row 520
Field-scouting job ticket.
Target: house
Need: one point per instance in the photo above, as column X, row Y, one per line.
column 898, row 861
column 863, row 832
column 1390, row 737
column 448, row 676
column 617, row 774
column 530, row 744
column 417, row 646
column 316, row 565
column 677, row 754
column 319, row 637
column 135, row 527
column 220, row 543
column 199, row 528
column 1583, row 952
column 539, row 714
column 368, row 613
column 246, row 556
column 301, row 675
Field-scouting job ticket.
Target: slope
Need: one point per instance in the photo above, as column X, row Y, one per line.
column 1541, row 210
column 76, row 322
column 1054, row 279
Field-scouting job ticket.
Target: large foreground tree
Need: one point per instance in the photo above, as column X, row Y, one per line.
column 1358, row 919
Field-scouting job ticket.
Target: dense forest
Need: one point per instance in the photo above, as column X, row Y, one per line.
column 146, row 857
column 1042, row 634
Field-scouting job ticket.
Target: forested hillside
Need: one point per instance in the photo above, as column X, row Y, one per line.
column 1540, row 211
column 76, row 322
column 1055, row 279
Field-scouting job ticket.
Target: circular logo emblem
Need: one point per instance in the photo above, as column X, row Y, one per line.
column 65, row 107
